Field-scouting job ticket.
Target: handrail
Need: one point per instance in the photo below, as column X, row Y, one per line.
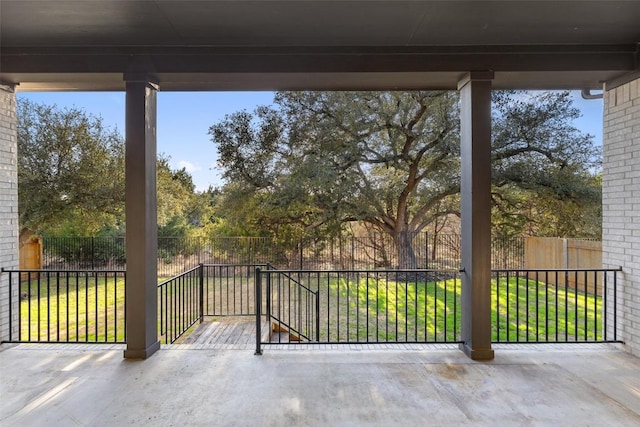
column 292, row 329
column 184, row 273
column 388, row 270
column 35, row 270
column 553, row 270
column 300, row 285
column 284, row 273
column 235, row 265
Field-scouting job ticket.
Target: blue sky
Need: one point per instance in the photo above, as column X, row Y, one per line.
column 184, row 119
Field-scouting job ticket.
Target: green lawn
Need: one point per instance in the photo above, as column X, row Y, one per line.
column 91, row 309
column 377, row 310
column 544, row 312
column 75, row 309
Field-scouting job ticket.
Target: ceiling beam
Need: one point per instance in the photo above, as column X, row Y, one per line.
column 296, row 60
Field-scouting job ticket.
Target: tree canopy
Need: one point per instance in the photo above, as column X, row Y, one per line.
column 70, row 170
column 316, row 160
column 71, row 178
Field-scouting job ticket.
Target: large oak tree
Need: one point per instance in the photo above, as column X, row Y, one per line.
column 315, row 160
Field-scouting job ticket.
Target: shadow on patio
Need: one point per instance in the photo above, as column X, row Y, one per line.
column 579, row 384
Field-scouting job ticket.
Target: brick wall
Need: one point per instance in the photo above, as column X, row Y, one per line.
column 8, row 203
column 621, row 204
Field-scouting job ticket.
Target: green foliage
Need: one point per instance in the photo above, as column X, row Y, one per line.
column 391, row 160
column 74, row 309
column 71, row 179
column 70, row 170
column 545, row 171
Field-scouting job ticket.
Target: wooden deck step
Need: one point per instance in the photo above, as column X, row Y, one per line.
column 279, row 337
column 225, row 332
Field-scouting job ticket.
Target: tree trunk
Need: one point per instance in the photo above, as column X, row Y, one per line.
column 404, row 247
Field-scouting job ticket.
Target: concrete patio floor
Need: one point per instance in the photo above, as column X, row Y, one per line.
column 581, row 385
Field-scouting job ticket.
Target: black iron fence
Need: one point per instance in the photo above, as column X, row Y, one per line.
column 175, row 255
column 319, row 306
column 205, row 290
column 373, row 251
column 551, row 306
column 67, row 306
column 357, row 306
column 83, row 253
column 180, row 304
column 423, row 306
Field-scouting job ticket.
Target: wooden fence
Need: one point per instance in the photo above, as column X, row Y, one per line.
column 30, row 253
column 558, row 253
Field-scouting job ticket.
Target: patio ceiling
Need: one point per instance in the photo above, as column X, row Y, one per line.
column 316, row 44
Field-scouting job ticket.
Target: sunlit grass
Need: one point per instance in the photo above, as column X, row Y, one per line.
column 79, row 308
column 378, row 311
column 536, row 311
column 90, row 308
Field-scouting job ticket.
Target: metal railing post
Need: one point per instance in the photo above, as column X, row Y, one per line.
column 201, row 278
column 615, row 304
column 268, row 296
column 258, row 285
column 318, row 315
column 11, row 304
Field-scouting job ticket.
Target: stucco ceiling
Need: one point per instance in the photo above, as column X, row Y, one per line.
column 315, row 44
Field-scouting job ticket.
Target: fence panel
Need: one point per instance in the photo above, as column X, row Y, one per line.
column 542, row 306
column 228, row 289
column 356, row 306
column 179, row 304
column 90, row 253
column 371, row 251
column 557, row 253
column 68, row 306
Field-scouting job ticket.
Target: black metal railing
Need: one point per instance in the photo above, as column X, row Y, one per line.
column 423, row 306
column 362, row 306
column 180, row 304
column 292, row 308
column 89, row 305
column 228, row 289
column 205, row 290
column 319, row 306
column 552, row 306
column 70, row 306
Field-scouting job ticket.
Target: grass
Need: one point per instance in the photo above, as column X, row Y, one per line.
column 376, row 310
column 526, row 310
column 75, row 308
column 91, row 309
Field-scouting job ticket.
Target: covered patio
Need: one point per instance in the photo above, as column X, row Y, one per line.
column 595, row 384
column 475, row 47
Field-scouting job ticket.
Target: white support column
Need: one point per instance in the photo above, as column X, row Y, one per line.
column 8, row 211
column 141, row 220
column 475, row 141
